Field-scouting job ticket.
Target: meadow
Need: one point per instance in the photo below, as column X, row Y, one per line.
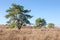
column 30, row 34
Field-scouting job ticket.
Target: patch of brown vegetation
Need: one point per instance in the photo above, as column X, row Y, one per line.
column 30, row 34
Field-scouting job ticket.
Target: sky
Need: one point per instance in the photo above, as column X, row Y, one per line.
column 47, row 9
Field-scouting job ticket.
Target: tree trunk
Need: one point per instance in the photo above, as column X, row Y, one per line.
column 19, row 27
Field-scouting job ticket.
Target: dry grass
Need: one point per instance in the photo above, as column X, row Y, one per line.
column 30, row 34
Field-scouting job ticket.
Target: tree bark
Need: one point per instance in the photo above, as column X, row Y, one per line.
column 19, row 27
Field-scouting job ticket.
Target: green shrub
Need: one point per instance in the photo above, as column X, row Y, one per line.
column 51, row 25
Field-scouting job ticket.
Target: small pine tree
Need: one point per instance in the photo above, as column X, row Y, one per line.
column 51, row 25
column 40, row 22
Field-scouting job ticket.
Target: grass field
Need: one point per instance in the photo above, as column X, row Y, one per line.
column 30, row 34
